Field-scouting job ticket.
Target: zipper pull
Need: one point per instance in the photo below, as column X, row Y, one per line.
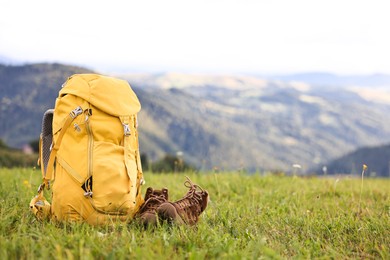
column 88, row 113
column 77, row 127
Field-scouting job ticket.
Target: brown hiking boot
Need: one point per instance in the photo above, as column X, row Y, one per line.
column 153, row 199
column 150, row 192
column 167, row 212
column 186, row 210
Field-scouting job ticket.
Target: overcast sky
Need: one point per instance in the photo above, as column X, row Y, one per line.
column 243, row 36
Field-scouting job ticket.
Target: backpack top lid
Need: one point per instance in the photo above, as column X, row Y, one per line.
column 111, row 95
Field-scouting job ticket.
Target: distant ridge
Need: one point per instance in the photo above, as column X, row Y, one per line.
column 376, row 158
column 26, row 92
column 216, row 121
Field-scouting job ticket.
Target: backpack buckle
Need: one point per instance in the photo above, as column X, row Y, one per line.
column 41, row 188
column 88, row 194
column 75, row 112
column 126, row 129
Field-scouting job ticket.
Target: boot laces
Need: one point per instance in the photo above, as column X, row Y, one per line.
column 192, row 200
column 152, row 203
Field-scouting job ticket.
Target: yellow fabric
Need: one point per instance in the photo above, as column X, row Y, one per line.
column 40, row 207
column 48, row 175
column 94, row 144
column 118, row 100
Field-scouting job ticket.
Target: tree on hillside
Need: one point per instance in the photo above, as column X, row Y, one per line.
column 171, row 163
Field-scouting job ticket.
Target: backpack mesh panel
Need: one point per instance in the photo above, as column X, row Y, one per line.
column 47, row 136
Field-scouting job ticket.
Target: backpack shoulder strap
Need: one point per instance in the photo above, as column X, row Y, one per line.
column 48, row 174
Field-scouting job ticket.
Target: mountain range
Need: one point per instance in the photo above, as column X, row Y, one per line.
column 219, row 121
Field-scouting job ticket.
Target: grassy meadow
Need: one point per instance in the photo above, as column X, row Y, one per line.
column 248, row 217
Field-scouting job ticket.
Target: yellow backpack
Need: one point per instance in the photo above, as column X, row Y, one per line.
column 90, row 150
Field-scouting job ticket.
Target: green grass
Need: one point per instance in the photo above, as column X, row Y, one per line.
column 248, row 217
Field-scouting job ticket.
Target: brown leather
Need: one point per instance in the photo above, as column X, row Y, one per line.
column 153, row 199
column 184, row 211
column 192, row 204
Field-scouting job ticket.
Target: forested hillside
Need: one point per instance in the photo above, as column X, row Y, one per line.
column 376, row 158
column 26, row 92
column 215, row 122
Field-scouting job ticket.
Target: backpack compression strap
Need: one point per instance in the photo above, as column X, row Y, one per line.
column 48, row 175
